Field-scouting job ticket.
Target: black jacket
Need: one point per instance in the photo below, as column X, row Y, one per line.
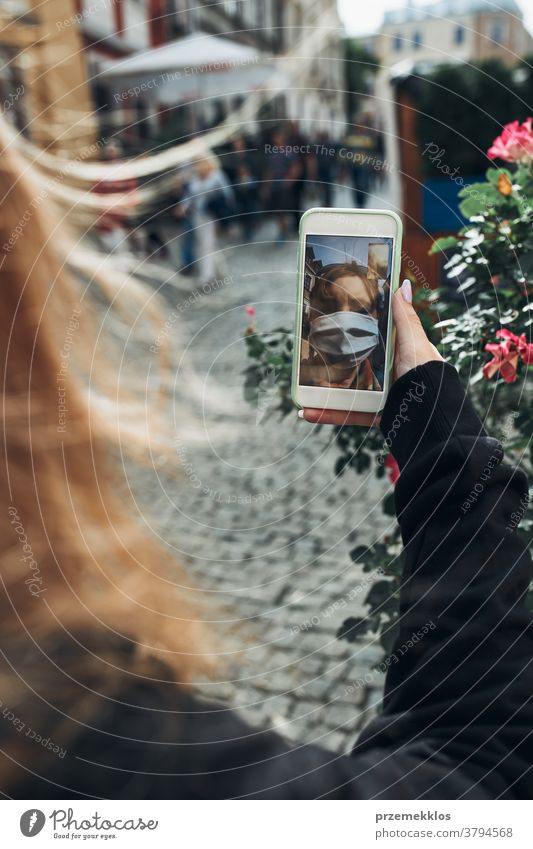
column 457, row 718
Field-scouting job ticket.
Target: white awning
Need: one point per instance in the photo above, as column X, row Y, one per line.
column 197, row 66
column 200, row 51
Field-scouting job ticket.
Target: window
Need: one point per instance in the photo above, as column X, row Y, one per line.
column 497, row 32
column 417, row 40
column 397, row 43
column 459, row 35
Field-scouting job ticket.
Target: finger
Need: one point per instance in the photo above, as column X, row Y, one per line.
column 408, row 324
column 339, row 417
column 413, row 347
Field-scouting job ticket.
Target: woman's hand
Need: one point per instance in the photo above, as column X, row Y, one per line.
column 413, row 348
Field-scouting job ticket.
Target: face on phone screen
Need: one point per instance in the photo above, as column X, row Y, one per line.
column 345, row 311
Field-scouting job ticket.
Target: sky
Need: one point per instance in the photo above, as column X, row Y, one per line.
column 364, row 18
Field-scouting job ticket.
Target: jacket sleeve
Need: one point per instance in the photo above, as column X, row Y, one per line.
column 460, row 681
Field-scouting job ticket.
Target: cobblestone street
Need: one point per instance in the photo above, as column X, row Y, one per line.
column 259, row 519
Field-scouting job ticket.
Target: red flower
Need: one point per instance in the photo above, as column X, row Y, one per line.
column 505, row 355
column 515, row 144
column 250, row 311
column 393, row 469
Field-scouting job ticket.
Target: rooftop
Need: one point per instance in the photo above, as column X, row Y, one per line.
column 450, row 9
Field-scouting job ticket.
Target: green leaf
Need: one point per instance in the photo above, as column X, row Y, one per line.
column 478, row 191
column 468, row 283
column 445, row 322
column 388, row 505
column 355, row 627
column 443, row 244
column 379, row 593
column 340, row 465
column 477, row 198
column 493, row 175
column 470, row 207
column 457, row 270
column 358, row 554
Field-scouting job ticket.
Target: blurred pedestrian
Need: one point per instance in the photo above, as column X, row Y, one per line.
column 297, row 141
column 241, row 155
column 182, row 213
column 326, row 151
column 245, row 190
column 282, row 175
column 209, row 201
column 313, row 189
column 240, row 167
column 358, row 147
column 156, row 212
column 113, row 225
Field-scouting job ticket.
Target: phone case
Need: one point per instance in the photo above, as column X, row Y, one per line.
column 395, row 279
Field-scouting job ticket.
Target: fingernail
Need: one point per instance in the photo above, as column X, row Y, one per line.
column 407, row 291
column 300, row 414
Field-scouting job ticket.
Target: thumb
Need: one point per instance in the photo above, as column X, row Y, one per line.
column 413, row 348
column 408, row 324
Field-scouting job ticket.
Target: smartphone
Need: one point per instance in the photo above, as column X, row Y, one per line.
column 348, row 270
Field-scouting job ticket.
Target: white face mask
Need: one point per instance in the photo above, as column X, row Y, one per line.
column 350, row 337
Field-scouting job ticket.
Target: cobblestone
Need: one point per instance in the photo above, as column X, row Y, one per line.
column 280, row 557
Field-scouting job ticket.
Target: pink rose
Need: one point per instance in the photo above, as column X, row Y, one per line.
column 505, row 355
column 515, row 144
column 393, row 469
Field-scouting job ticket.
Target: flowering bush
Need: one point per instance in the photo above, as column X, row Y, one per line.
column 482, row 320
column 488, row 309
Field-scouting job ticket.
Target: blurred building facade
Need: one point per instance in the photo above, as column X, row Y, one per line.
column 61, row 83
column 116, row 31
column 43, row 83
column 453, row 31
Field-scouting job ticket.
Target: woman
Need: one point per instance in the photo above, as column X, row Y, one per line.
column 344, row 329
column 98, row 645
column 210, row 200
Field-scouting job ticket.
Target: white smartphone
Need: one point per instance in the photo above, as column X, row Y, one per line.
column 348, row 270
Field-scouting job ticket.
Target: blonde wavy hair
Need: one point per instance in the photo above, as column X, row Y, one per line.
column 74, row 559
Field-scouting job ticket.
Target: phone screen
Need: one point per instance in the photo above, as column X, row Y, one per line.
column 345, row 311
